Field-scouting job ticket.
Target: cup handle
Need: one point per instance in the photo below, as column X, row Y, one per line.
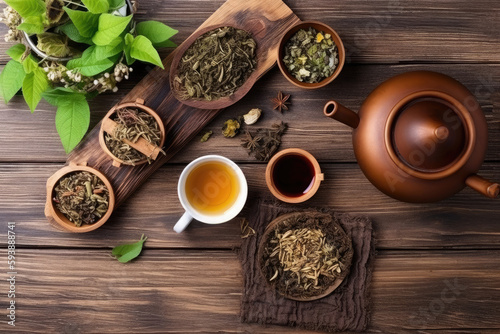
column 183, row 222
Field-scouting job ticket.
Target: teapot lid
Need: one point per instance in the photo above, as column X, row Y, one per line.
column 430, row 134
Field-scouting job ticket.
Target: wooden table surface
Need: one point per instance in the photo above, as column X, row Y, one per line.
column 192, row 282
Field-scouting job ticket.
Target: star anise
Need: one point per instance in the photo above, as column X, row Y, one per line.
column 280, row 102
column 250, row 142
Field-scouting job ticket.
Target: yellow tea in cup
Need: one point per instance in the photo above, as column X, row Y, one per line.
column 212, row 188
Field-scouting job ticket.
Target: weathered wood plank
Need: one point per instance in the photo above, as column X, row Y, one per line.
column 377, row 31
column 167, row 291
column 466, row 220
column 29, row 138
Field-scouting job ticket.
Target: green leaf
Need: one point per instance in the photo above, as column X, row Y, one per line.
column 86, row 22
column 129, row 40
column 97, row 6
column 88, row 65
column 32, row 25
column 72, row 120
column 125, row 253
column 70, row 30
column 54, row 45
column 143, row 49
column 116, row 46
column 34, row 84
column 57, row 96
column 27, row 8
column 166, row 44
column 155, row 31
column 116, row 4
column 16, row 52
column 30, row 64
column 110, row 27
column 11, row 80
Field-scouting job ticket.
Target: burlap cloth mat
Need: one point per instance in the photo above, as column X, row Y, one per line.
column 346, row 309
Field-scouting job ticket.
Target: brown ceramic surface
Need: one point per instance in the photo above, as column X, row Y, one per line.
column 317, row 178
column 139, row 104
column 60, row 221
column 319, row 27
column 260, row 254
column 419, row 137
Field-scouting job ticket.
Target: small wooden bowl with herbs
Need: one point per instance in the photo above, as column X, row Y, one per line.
column 305, row 256
column 311, row 55
column 79, row 199
column 132, row 134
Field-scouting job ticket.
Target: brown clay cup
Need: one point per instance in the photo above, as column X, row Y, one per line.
column 318, row 176
column 57, row 219
column 319, row 26
column 142, row 145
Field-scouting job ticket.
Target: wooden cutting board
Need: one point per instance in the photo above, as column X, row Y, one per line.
column 267, row 20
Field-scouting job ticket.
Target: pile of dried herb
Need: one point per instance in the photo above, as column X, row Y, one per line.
column 132, row 125
column 263, row 143
column 305, row 254
column 311, row 56
column 216, row 65
column 82, row 197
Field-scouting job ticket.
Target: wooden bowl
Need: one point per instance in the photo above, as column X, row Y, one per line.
column 139, row 104
column 58, row 219
column 224, row 101
column 347, row 261
column 319, row 27
column 318, row 177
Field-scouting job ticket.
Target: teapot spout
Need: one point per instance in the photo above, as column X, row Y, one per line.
column 483, row 186
column 342, row 114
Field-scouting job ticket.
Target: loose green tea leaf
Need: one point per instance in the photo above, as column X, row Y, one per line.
column 32, row 25
column 114, row 47
column 116, row 4
column 110, row 27
column 34, row 84
column 143, row 49
column 97, row 6
column 125, row 253
column 216, row 64
column 206, row 136
column 72, row 120
column 86, row 22
column 155, row 31
column 54, row 45
column 11, row 80
column 27, row 8
column 82, row 197
column 70, row 30
column 16, row 52
column 88, row 64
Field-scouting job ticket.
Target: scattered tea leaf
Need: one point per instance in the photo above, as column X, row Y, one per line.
column 72, row 120
column 264, row 143
column 110, row 27
column 97, row 6
column 16, row 52
column 70, row 30
column 143, row 49
column 27, row 8
column 11, row 80
column 86, row 22
column 125, row 253
column 206, row 136
column 34, row 84
column 54, row 45
column 32, row 25
column 155, row 31
column 231, row 128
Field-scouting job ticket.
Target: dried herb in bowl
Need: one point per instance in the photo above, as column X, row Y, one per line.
column 216, row 65
column 311, row 56
column 82, row 198
column 132, row 125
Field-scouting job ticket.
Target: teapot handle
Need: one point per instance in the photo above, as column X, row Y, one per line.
column 335, row 110
column 483, row 186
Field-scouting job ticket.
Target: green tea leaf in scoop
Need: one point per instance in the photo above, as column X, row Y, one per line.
column 86, row 22
column 16, row 52
column 142, row 49
column 155, row 31
column 11, row 80
column 97, row 6
column 70, row 30
column 54, row 45
column 27, row 8
column 125, row 253
column 110, row 27
column 32, row 25
column 72, row 120
column 34, row 84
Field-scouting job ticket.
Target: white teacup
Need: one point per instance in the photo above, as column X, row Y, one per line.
column 208, row 190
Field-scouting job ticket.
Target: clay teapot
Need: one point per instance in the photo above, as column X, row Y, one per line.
column 419, row 137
